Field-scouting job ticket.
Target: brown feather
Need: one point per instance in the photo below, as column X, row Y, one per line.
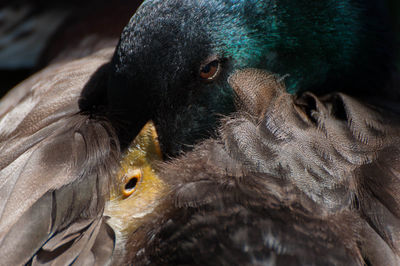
column 292, row 180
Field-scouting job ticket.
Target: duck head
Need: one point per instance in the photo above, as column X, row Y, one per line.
column 174, row 58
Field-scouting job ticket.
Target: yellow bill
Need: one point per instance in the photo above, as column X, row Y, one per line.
column 138, row 189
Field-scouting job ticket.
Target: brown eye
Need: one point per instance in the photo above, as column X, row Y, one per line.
column 131, row 180
column 211, row 70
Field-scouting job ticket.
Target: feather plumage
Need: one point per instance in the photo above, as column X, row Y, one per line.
column 56, row 166
column 298, row 185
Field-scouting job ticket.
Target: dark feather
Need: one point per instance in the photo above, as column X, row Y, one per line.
column 289, row 181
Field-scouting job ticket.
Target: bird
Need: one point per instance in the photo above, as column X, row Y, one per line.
column 65, row 129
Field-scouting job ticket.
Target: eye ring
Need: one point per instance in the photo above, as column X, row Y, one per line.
column 210, row 70
column 130, row 182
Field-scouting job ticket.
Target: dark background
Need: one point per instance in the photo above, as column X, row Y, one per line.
column 35, row 33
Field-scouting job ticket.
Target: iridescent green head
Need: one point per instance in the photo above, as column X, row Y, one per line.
column 174, row 58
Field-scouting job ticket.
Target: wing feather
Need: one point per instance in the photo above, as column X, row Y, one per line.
column 55, row 169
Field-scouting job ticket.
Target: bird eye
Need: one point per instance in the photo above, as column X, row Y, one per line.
column 131, row 181
column 210, row 71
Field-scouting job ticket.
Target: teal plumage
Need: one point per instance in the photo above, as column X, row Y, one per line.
column 307, row 41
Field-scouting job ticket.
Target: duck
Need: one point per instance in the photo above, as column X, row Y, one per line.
column 65, row 129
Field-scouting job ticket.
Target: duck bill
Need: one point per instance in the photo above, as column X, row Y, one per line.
column 146, row 142
column 137, row 189
column 139, row 158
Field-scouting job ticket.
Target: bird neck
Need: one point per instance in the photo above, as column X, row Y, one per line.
column 334, row 45
column 323, row 46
